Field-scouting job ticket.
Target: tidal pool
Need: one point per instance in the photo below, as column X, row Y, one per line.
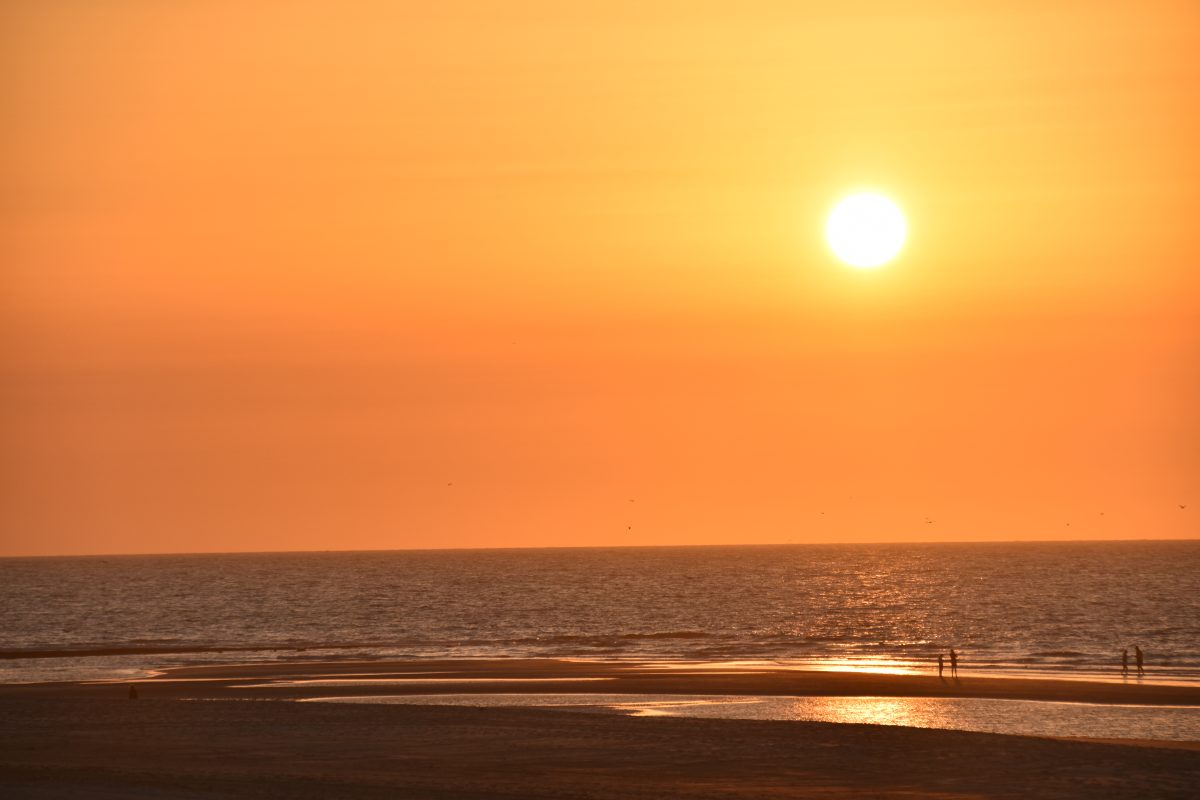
column 1019, row 717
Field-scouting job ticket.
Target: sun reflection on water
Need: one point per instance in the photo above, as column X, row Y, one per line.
column 909, row 712
column 1019, row 717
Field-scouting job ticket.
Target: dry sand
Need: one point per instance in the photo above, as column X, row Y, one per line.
column 89, row 741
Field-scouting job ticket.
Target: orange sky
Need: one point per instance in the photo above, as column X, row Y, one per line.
column 277, row 274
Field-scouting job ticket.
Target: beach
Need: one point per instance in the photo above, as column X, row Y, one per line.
column 644, row 400
column 230, row 731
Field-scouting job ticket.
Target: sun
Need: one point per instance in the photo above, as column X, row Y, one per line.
column 866, row 230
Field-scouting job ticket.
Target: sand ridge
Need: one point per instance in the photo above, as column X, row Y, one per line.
column 520, row 675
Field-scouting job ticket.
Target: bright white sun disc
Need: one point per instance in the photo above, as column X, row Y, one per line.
column 866, row 230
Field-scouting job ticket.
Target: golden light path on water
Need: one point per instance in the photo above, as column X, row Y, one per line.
column 1015, row 717
column 879, row 666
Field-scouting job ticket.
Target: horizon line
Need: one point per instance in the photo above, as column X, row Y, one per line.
column 593, row 547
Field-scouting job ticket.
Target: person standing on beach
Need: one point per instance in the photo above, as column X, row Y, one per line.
column 132, row 692
column 1137, row 657
column 953, row 663
column 1125, row 661
column 941, row 665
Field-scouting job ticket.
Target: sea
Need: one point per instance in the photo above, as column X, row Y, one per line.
column 1060, row 608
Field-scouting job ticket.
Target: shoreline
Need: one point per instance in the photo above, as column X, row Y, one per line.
column 656, row 677
column 903, row 669
column 211, row 732
column 293, row 680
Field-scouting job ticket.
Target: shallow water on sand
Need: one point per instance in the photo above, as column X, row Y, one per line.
column 1018, row 717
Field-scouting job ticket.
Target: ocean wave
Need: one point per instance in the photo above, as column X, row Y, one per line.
column 895, row 604
column 669, row 635
column 94, row 651
column 114, row 650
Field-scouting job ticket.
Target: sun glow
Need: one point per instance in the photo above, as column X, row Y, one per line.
column 866, row 230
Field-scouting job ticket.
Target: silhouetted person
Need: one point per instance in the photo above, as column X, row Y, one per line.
column 1137, row 657
column 1125, row 661
column 953, row 663
column 132, row 692
column 941, row 665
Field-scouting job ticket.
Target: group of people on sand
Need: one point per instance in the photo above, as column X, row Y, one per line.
column 953, row 664
column 1138, row 658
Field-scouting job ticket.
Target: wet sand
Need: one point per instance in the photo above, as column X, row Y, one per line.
column 522, row 675
column 88, row 740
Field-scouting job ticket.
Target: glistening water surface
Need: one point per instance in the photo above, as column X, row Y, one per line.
column 1020, row 717
column 1064, row 607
